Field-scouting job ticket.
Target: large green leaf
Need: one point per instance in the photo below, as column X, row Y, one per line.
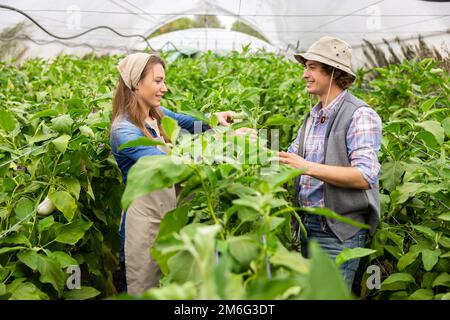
column 446, row 126
column 279, row 120
column 354, row 253
column 83, row 293
column 173, row 221
column 333, row 215
column 291, row 260
column 28, row 291
column 7, row 121
column 325, row 280
column 171, row 128
column 244, row 248
column 395, row 279
column 430, row 258
column 445, row 216
column 142, row 141
column 153, row 173
column 65, row 203
column 442, row 280
column 23, row 207
column 63, row 124
column 61, row 143
column 71, row 233
column 391, row 174
column 183, row 267
column 50, row 271
column 422, row 294
column 433, row 127
column 407, row 259
column 72, row 185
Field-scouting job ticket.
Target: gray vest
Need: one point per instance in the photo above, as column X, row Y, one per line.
column 360, row 205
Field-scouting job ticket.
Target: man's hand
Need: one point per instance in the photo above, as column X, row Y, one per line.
column 293, row 160
column 225, row 117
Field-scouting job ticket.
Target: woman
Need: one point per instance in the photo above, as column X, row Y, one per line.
column 137, row 113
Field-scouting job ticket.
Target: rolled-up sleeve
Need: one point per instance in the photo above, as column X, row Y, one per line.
column 364, row 143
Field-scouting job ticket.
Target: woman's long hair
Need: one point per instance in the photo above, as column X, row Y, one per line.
column 126, row 102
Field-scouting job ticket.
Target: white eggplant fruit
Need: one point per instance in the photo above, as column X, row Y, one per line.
column 45, row 207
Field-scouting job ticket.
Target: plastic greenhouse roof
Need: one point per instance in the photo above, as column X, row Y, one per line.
column 288, row 25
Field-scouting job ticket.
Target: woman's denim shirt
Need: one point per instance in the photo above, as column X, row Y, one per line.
column 123, row 131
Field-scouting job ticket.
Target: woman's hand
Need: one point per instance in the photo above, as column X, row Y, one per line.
column 225, row 118
column 293, row 160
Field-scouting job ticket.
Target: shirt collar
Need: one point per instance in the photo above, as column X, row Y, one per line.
column 315, row 111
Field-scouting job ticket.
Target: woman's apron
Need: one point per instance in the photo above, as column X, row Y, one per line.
column 140, row 226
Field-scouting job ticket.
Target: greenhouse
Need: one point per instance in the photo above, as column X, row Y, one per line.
column 225, row 150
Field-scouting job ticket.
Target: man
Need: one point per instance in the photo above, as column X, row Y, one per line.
column 338, row 145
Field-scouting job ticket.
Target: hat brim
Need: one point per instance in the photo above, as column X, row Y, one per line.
column 303, row 57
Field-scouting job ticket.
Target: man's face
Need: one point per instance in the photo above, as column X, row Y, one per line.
column 317, row 81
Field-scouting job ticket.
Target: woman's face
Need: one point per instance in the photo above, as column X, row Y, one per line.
column 152, row 88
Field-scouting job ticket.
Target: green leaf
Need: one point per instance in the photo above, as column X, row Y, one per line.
column 153, row 173
column 171, row 128
column 422, row 294
column 430, row 258
column 16, row 238
column 11, row 249
column 325, row 280
column 65, row 203
column 71, row 233
column 62, row 124
column 407, row 259
column 45, row 224
column 72, row 185
column 61, row 143
column 446, row 126
column 142, row 141
column 244, row 248
column 50, row 271
column 279, row 120
column 291, row 260
column 404, row 192
column 445, row 216
column 173, row 221
column 429, row 103
column 23, row 207
column 355, row 253
column 86, row 131
column 391, row 174
column 442, row 280
column 396, row 281
column 333, row 215
column 434, row 128
column 426, row 231
column 83, row 293
column 45, row 113
column 7, row 121
column 63, row 259
column 28, row 291
column 173, row 291
column 182, row 267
